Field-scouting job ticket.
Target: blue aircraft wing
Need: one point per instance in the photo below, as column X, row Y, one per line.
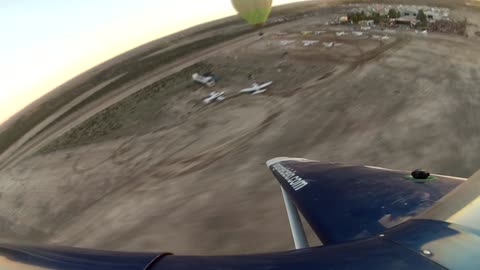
column 343, row 203
column 26, row 257
column 414, row 245
column 368, row 254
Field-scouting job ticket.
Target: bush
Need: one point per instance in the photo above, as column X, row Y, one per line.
column 446, row 26
column 361, row 16
column 375, row 17
column 393, row 14
column 421, row 18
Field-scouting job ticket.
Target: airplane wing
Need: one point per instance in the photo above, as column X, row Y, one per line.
column 343, row 203
column 214, row 96
column 30, row 257
column 414, row 245
column 259, row 91
column 255, row 87
column 250, row 89
column 369, row 254
column 265, row 85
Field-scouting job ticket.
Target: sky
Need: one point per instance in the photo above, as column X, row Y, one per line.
column 45, row 43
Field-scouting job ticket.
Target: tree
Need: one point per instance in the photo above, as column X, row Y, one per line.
column 393, row 14
column 375, row 17
column 421, row 18
column 362, row 16
column 352, row 17
column 356, row 16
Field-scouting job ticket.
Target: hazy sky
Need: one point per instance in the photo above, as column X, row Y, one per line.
column 46, row 42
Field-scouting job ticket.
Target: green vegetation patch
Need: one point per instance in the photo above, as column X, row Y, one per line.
column 142, row 112
column 421, row 181
column 356, row 17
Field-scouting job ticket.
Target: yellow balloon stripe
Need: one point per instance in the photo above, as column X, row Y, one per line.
column 257, row 16
column 253, row 11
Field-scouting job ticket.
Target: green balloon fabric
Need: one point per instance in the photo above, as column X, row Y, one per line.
column 255, row 12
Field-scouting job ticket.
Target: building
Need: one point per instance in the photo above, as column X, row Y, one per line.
column 433, row 13
column 343, row 19
column 434, row 16
column 366, row 23
column 407, row 20
column 408, row 13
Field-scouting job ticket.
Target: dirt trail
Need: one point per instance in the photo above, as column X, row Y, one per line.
column 52, row 118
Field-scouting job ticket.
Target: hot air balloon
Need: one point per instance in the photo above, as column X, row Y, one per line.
column 255, row 12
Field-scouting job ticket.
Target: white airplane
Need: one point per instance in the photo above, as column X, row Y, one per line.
column 425, row 32
column 214, row 96
column 339, row 34
column 331, row 44
column 286, row 42
column 357, row 33
column 206, row 80
column 256, row 88
column 307, row 43
column 380, row 37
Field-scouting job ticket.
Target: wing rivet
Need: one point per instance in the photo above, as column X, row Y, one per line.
column 427, row 252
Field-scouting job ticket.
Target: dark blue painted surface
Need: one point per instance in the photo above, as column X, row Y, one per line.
column 20, row 257
column 368, row 254
column 451, row 245
column 373, row 253
column 342, row 203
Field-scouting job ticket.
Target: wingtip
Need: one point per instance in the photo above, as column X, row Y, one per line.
column 272, row 161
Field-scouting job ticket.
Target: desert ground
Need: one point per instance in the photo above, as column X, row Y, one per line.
column 149, row 167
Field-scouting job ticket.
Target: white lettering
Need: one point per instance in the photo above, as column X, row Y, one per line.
column 295, row 181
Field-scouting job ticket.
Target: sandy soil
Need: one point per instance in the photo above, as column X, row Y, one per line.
column 192, row 179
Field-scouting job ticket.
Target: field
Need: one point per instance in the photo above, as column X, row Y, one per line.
column 143, row 164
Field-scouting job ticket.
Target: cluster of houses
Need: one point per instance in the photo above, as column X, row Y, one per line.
column 433, row 13
column 408, row 13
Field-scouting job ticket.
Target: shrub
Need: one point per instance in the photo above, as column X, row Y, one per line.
column 421, row 18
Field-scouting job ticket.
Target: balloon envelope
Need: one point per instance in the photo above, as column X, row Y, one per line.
column 255, row 12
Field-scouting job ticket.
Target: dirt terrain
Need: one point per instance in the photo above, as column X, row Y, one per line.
column 152, row 168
